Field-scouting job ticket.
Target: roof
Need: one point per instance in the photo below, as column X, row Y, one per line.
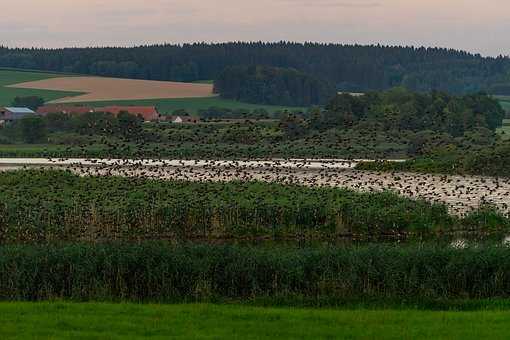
column 19, row 110
column 183, row 119
column 147, row 112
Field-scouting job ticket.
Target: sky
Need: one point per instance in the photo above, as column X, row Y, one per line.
column 472, row 25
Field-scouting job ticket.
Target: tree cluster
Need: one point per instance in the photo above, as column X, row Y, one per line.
column 35, row 129
column 272, row 86
column 226, row 113
column 400, row 109
column 31, row 102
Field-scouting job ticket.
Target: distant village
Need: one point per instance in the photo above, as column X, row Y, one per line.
column 148, row 113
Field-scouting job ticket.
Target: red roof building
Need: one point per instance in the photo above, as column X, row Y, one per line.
column 149, row 113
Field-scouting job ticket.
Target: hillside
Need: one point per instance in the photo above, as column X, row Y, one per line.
column 351, row 68
column 100, row 91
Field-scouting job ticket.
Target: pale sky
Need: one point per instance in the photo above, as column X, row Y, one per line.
column 473, row 25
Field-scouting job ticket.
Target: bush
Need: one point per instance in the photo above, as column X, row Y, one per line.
column 33, row 129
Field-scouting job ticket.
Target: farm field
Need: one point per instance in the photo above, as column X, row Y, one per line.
column 102, row 88
column 168, row 98
column 130, row 321
column 194, row 105
column 9, row 77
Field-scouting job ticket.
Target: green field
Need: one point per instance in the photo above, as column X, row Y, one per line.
column 193, row 105
column 10, row 77
column 131, row 321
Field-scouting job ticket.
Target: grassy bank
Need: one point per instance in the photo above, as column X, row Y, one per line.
column 59, row 206
column 319, row 276
column 126, row 321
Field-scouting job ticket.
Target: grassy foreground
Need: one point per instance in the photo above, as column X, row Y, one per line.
column 128, row 321
column 428, row 276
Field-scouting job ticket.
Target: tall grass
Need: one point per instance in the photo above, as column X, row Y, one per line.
column 160, row 272
column 58, row 206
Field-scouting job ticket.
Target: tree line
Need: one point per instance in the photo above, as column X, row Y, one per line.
column 351, row 68
column 399, row 109
column 35, row 129
column 272, row 86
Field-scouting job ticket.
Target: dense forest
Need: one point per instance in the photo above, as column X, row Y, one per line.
column 350, row 68
column 273, row 86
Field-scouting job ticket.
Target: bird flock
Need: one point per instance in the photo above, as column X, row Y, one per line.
column 461, row 194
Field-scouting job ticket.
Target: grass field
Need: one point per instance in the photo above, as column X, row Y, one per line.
column 131, row 321
column 193, row 105
column 10, row 77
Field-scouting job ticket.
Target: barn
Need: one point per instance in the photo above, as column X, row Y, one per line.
column 10, row 114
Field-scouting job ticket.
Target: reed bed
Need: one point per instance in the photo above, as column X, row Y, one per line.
column 47, row 206
column 160, row 272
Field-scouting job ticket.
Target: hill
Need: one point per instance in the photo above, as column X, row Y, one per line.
column 351, row 68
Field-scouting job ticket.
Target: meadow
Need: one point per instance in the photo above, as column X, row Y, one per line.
column 194, row 105
column 133, row 321
column 10, row 77
column 166, row 106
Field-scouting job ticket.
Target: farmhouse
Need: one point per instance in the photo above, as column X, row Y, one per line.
column 10, row 114
column 149, row 113
column 182, row 119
